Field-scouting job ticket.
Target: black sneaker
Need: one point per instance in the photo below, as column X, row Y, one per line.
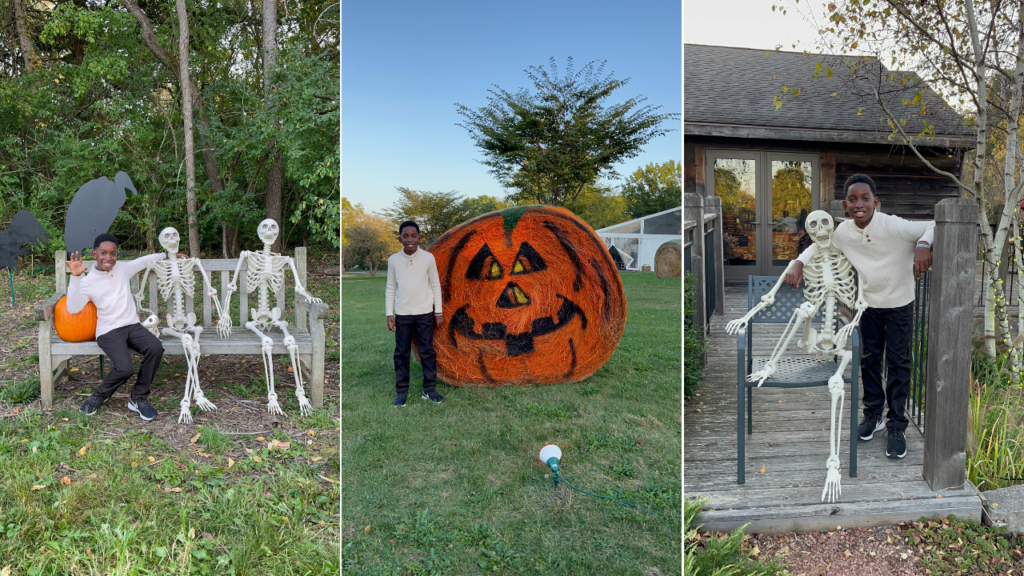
column 91, row 404
column 897, row 446
column 868, row 426
column 433, row 397
column 399, row 400
column 143, row 407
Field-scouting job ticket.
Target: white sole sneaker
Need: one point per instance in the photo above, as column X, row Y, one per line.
column 879, row 426
column 134, row 408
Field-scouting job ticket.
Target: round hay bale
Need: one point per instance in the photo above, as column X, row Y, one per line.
column 531, row 296
column 668, row 260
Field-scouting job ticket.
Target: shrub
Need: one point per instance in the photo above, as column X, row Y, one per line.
column 719, row 555
column 693, row 342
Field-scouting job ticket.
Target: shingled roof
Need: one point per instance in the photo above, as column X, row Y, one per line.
column 729, row 92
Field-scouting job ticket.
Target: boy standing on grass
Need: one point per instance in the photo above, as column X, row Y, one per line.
column 413, row 304
column 117, row 323
column 884, row 249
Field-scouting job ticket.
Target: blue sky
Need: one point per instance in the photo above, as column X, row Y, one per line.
column 405, row 64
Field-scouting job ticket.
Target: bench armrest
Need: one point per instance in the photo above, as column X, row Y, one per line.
column 317, row 310
column 44, row 312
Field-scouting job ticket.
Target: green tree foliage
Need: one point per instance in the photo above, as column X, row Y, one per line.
column 484, row 204
column 434, row 212
column 600, row 206
column 654, row 188
column 791, row 190
column 99, row 101
column 693, row 341
column 549, row 144
column 371, row 239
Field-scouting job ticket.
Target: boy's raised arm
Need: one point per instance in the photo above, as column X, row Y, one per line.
column 140, row 263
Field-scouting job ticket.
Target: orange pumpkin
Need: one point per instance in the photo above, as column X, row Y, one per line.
column 531, row 296
column 79, row 327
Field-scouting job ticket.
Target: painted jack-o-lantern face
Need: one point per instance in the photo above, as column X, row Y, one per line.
column 531, row 296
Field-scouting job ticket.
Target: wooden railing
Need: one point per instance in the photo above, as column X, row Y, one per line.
column 703, row 254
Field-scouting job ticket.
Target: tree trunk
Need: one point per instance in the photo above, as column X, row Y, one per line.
column 229, row 236
column 190, row 147
column 27, row 49
column 209, row 152
column 273, row 190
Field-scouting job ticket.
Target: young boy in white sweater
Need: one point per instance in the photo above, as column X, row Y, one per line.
column 117, row 323
column 884, row 249
column 413, row 305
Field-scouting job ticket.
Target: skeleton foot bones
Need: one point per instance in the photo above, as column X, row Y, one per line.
column 828, row 281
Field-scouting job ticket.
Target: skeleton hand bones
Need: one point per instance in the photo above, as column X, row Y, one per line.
column 766, row 301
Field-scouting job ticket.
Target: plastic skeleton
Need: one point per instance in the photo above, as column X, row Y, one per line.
column 175, row 279
column 266, row 273
column 829, row 280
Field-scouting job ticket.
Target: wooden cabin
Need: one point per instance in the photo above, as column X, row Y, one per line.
column 771, row 165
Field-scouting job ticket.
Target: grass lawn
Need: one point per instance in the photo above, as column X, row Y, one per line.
column 111, row 494
column 457, row 488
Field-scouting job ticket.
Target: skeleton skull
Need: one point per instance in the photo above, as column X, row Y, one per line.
column 819, row 226
column 169, row 240
column 268, row 231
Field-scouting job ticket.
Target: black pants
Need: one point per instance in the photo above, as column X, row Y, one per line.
column 420, row 326
column 888, row 331
column 116, row 344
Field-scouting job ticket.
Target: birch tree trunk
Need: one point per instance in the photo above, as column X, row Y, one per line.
column 273, row 190
column 27, row 49
column 190, row 148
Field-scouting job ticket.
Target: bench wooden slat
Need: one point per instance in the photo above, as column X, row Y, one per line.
column 207, row 313
column 240, row 342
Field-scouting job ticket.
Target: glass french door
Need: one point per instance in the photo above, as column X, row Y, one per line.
column 766, row 197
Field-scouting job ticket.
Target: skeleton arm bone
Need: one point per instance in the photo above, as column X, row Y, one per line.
column 224, row 323
column 766, row 300
column 860, row 307
column 310, row 299
column 209, row 286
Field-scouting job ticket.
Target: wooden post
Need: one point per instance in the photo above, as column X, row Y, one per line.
column 698, row 160
column 693, row 208
column 827, row 179
column 947, row 391
column 61, row 271
column 714, row 206
column 46, row 361
column 300, row 267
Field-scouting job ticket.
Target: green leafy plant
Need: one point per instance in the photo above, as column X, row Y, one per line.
column 720, row 554
column 693, row 343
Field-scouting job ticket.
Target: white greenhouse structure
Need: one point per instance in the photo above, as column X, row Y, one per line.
column 634, row 243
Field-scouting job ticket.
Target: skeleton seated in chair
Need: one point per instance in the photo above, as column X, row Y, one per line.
column 829, row 280
column 175, row 280
column 266, row 273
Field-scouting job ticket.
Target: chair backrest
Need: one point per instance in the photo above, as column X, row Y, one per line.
column 787, row 299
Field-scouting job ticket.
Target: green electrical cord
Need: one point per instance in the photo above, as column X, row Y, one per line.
column 559, row 477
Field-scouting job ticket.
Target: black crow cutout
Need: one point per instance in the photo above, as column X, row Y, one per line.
column 23, row 229
column 93, row 210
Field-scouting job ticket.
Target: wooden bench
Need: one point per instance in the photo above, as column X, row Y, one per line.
column 306, row 325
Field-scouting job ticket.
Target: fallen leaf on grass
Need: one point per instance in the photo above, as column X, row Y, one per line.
column 38, row 487
column 230, row 462
column 847, row 553
column 16, row 410
column 134, row 464
column 6, row 571
column 151, row 459
column 73, row 370
column 290, row 369
column 84, row 449
column 753, row 552
column 260, row 439
column 166, row 489
column 311, row 432
column 194, row 438
column 367, row 530
column 65, row 481
column 203, row 454
column 278, row 444
column 33, row 449
column 256, row 458
column 285, row 520
column 64, row 419
column 316, row 458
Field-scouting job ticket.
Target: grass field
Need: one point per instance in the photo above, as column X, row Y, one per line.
column 110, row 494
column 457, row 488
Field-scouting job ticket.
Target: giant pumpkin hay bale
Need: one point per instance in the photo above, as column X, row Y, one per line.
column 668, row 260
column 531, row 296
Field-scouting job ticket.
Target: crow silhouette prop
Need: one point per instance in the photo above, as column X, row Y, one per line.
column 93, row 210
column 23, row 229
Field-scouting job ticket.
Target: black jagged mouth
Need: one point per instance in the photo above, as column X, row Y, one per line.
column 515, row 344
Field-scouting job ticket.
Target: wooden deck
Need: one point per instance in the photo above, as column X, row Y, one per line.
column 790, row 444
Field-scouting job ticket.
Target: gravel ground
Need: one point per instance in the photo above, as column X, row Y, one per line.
column 878, row 551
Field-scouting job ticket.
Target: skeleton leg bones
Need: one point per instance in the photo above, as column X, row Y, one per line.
column 197, row 392
column 268, row 366
column 833, row 489
column 187, row 344
column 293, row 351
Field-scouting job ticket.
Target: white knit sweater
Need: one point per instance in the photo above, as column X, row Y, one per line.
column 413, row 284
column 109, row 292
column 883, row 254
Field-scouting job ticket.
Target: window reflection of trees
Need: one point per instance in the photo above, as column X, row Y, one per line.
column 734, row 184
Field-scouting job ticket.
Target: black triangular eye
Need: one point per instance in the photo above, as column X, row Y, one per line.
column 484, row 266
column 528, row 260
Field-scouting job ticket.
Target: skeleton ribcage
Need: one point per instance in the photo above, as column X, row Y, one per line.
column 167, row 283
column 830, row 273
column 257, row 271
